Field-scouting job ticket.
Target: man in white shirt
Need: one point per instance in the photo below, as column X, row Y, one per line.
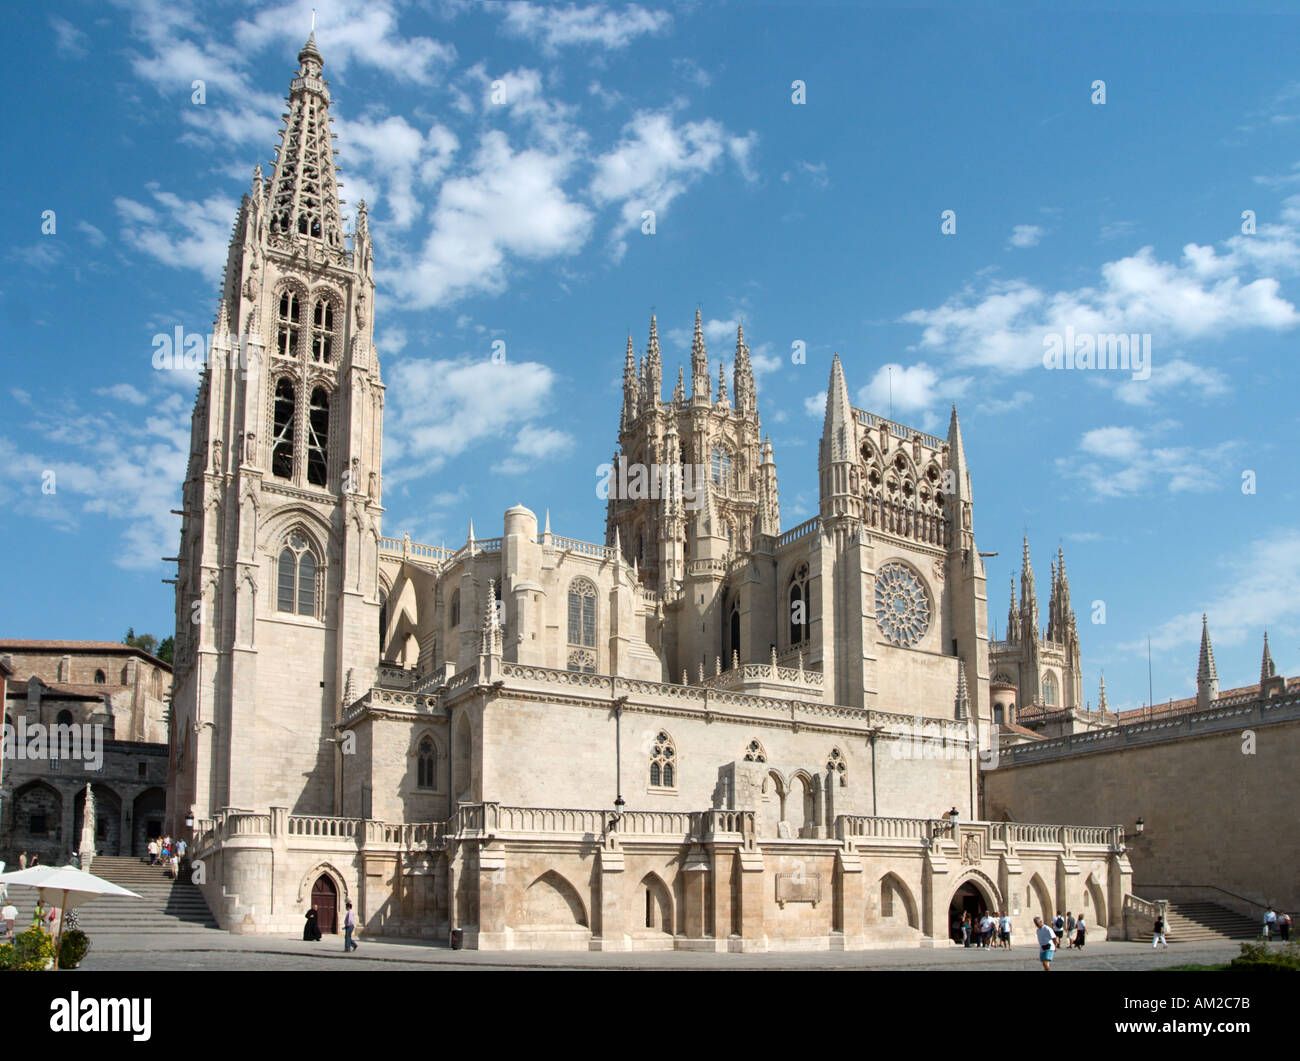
column 1046, row 943
column 9, row 915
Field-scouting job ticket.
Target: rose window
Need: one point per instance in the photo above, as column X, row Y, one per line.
column 902, row 605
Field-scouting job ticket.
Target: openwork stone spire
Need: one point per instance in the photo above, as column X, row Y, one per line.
column 743, row 375
column 961, row 706
column 654, row 368
column 304, row 188
column 1267, row 669
column 1028, row 594
column 699, row 363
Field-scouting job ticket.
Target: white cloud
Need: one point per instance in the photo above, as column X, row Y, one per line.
column 533, row 446
column 1175, row 375
column 910, row 389
column 119, row 467
column 1259, row 588
column 440, row 409
column 1003, row 325
column 657, row 160
column 1000, row 406
column 553, row 27
column 1025, row 236
column 510, row 204
column 815, row 405
column 123, row 392
column 97, row 238
column 1115, row 461
column 69, row 41
column 179, row 232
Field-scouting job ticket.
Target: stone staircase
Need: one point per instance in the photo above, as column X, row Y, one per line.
column 1197, row 922
column 164, row 906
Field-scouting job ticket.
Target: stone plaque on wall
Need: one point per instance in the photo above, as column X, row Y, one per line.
column 798, row 888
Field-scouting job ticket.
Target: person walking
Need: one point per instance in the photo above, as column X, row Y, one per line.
column 22, row 860
column 965, row 928
column 1004, row 930
column 1058, row 927
column 1080, row 933
column 9, row 914
column 1284, row 927
column 349, row 926
column 311, row 930
column 1069, row 929
column 1046, row 943
column 153, row 851
column 1270, row 922
column 1158, row 933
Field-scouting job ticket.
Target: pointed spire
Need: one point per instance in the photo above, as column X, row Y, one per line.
column 654, row 369
column 679, row 392
column 742, row 375
column 957, row 456
column 722, row 384
column 471, row 533
column 1101, row 695
column 1028, row 594
column 631, row 386
column 1266, row 667
column 699, row 363
column 304, row 198
column 1207, row 675
column 1205, row 669
column 837, row 425
column 961, row 704
column 490, row 642
column 546, row 534
column 1013, row 620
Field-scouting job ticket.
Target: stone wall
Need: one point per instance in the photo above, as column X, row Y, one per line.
column 1214, row 816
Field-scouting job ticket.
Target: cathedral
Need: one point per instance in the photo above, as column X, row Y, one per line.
column 706, row 732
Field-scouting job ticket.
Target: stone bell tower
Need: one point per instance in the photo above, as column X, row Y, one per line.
column 277, row 605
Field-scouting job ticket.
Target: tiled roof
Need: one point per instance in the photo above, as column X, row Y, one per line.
column 1022, row 731
column 74, row 647
column 1178, row 707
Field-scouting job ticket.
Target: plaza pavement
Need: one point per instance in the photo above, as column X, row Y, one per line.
column 215, row 950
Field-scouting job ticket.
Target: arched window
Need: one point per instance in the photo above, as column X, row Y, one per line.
column 837, row 767
column 453, row 610
column 799, row 605
column 322, row 330
column 318, row 433
column 663, row 762
column 754, row 752
column 282, row 433
column 733, row 633
column 383, row 619
column 290, row 320
column 296, row 578
column 582, row 613
column 427, row 765
column 997, row 713
column 720, row 470
column 100, row 679
column 65, row 718
column 1049, row 690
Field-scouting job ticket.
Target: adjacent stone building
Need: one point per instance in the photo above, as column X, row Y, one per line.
column 101, row 712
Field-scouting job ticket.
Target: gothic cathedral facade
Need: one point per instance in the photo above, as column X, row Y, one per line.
column 704, row 732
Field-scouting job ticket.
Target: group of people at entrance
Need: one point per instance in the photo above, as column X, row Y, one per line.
column 1277, row 926
column 985, row 930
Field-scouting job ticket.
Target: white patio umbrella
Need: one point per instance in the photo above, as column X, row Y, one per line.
column 65, row 887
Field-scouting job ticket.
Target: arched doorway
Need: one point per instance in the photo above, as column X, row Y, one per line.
column 325, row 897
column 149, row 811
column 970, row 898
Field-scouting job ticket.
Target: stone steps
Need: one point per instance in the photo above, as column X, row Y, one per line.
column 1199, row 922
column 165, row 905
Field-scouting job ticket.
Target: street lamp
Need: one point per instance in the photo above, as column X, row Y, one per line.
column 1140, row 826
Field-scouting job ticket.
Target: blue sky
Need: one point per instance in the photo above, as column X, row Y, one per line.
column 818, row 223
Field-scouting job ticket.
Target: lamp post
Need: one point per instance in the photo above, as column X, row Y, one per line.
column 618, row 762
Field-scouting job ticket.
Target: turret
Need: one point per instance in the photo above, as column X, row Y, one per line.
column 1270, row 682
column 654, row 369
column 743, row 376
column 631, row 387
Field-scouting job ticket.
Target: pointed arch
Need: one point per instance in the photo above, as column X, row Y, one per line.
column 582, row 613
column 984, row 884
column 1094, row 891
column 897, row 904
column 552, row 902
column 1038, row 897
column 663, row 761
column 318, row 435
column 655, row 904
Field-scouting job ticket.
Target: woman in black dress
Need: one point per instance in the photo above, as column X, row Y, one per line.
column 311, row 930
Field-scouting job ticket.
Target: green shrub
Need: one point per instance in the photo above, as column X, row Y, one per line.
column 1268, row 957
column 30, row 952
column 73, row 948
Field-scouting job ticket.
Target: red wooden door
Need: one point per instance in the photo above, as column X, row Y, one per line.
column 324, row 897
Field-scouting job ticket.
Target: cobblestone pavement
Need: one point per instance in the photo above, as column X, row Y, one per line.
column 217, row 950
